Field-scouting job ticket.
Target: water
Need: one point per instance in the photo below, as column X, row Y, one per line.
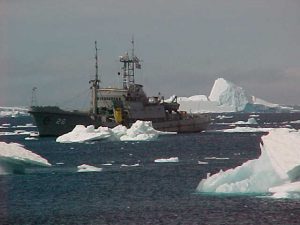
column 150, row 193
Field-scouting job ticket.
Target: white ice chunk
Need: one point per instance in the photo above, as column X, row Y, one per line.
column 15, row 158
column 139, row 131
column 251, row 120
column 246, row 129
column 88, row 168
column 278, row 164
column 172, row 159
column 81, row 133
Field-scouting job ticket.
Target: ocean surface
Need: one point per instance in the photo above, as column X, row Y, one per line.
column 132, row 188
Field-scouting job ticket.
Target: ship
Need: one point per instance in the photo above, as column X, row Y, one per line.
column 124, row 105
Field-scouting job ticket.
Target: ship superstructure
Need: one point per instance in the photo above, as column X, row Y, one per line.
column 113, row 106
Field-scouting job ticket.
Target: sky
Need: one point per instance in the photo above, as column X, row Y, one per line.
column 185, row 46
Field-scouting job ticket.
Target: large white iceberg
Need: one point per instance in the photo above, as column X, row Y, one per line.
column 227, row 93
column 14, row 158
column 225, row 96
column 278, row 166
column 139, row 131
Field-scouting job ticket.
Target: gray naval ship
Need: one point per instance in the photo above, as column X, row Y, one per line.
column 113, row 106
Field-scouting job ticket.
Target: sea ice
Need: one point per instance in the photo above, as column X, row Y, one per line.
column 139, row 131
column 133, row 165
column 246, row 129
column 81, row 134
column 172, row 159
column 14, row 158
column 276, row 170
column 249, row 121
column 88, row 168
column 13, row 111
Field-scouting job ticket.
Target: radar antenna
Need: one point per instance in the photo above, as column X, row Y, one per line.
column 130, row 63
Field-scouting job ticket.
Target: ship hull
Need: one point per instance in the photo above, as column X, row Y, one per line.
column 55, row 122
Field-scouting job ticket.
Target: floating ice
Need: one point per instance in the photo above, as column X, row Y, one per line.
column 81, row 133
column 172, row 159
column 216, row 158
column 28, row 125
column 251, row 120
column 31, row 139
column 296, row 121
column 139, row 131
column 278, row 164
column 13, row 111
column 16, row 132
column 133, row 165
column 221, row 117
column 246, row 129
column 202, row 163
column 14, row 158
column 88, row 168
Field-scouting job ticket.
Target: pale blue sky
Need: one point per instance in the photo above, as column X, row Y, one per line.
column 184, row 45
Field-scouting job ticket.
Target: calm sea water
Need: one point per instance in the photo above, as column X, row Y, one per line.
column 147, row 193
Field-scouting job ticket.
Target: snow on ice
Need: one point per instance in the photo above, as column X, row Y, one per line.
column 139, row 131
column 14, row 158
column 277, row 170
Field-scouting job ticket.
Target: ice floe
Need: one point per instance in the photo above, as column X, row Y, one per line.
column 277, row 170
column 216, row 158
column 251, row 120
column 172, row 159
column 139, row 131
column 13, row 111
column 133, row 165
column 18, row 132
column 14, row 158
column 246, row 129
column 202, row 163
column 31, row 138
column 88, row 168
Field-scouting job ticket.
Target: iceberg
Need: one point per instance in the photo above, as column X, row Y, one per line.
column 277, row 170
column 14, row 158
column 227, row 93
column 81, row 134
column 225, row 96
column 139, row 131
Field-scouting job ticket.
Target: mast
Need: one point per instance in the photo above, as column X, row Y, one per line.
column 95, row 84
column 129, row 65
column 33, row 97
